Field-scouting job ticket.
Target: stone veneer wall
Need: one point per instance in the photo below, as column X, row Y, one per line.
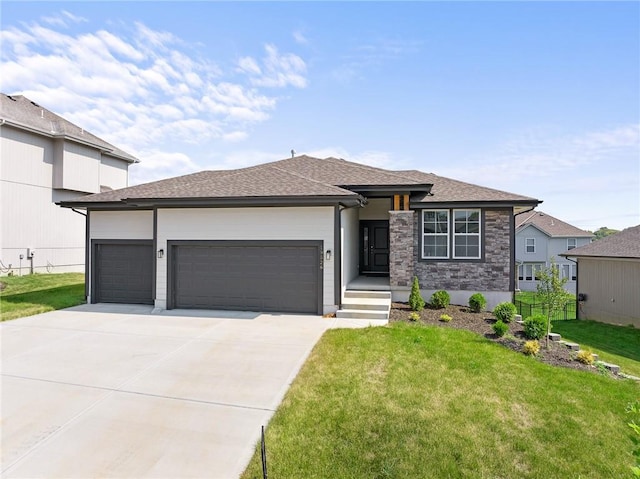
column 402, row 249
column 492, row 274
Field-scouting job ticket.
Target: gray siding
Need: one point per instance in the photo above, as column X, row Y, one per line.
column 612, row 287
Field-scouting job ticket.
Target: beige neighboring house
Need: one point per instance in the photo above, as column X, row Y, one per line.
column 45, row 159
column 609, row 278
column 541, row 238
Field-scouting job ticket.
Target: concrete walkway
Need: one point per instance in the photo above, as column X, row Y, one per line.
column 113, row 391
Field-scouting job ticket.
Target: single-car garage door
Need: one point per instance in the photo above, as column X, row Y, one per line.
column 123, row 272
column 277, row 276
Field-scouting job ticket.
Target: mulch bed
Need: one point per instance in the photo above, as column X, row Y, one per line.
column 481, row 323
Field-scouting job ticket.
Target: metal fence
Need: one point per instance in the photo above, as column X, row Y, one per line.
column 568, row 311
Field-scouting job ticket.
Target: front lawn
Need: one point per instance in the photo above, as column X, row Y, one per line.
column 614, row 344
column 39, row 293
column 411, row 400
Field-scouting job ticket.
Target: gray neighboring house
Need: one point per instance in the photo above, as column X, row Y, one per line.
column 539, row 238
column 609, row 278
column 45, row 159
column 295, row 235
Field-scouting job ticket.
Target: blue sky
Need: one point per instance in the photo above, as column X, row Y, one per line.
column 536, row 98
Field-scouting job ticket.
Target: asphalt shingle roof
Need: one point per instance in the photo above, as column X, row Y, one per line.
column 302, row 176
column 625, row 244
column 550, row 225
column 22, row 112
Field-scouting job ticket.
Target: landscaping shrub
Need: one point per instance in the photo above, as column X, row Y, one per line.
column 477, row 302
column 505, row 312
column 535, row 327
column 445, row 317
column 500, row 328
column 531, row 348
column 440, row 299
column 585, row 357
column 415, row 299
column 414, row 316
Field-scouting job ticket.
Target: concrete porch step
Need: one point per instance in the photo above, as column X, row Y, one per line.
column 362, row 314
column 352, row 293
column 375, row 304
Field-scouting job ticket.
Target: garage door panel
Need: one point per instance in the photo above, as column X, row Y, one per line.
column 123, row 273
column 250, row 276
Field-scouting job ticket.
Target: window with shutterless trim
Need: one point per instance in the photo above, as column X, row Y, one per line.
column 435, row 234
column 530, row 245
column 466, row 234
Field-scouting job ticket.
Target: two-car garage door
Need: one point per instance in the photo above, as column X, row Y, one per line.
column 280, row 276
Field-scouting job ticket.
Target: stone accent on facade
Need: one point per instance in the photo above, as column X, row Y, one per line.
column 402, row 249
column 493, row 273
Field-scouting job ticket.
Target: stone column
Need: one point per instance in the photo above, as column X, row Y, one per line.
column 401, row 248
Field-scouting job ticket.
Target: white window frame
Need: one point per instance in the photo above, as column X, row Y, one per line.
column 526, row 245
column 448, row 233
column 456, row 235
column 575, row 243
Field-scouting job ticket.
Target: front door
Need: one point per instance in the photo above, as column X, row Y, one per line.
column 374, row 247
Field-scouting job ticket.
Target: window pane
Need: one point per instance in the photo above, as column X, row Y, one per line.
column 467, row 246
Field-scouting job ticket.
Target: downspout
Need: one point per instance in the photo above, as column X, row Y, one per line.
column 514, row 260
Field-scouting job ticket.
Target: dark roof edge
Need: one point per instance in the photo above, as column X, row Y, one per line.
column 472, row 204
column 418, row 187
column 143, row 203
column 597, row 256
column 16, row 124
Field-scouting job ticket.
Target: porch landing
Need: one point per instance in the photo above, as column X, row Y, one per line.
column 369, row 283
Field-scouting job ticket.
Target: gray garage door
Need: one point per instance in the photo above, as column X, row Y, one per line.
column 275, row 276
column 123, row 273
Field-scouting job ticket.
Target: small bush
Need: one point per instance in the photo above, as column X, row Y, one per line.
column 500, row 328
column 414, row 316
column 531, row 348
column 477, row 302
column 585, row 357
column 445, row 317
column 505, row 312
column 535, row 327
column 440, row 299
column 415, row 299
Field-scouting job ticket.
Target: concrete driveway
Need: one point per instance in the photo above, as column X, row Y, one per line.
column 113, row 391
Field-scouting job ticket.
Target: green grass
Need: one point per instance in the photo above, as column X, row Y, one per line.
column 614, row 344
column 39, row 293
column 413, row 401
column 531, row 298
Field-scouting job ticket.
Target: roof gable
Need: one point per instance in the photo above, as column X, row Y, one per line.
column 20, row 112
column 550, row 225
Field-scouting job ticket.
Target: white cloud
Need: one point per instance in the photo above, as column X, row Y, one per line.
column 277, row 71
column 141, row 89
column 299, row 37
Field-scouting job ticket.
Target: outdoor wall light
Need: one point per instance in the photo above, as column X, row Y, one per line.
column 328, row 255
column 160, row 253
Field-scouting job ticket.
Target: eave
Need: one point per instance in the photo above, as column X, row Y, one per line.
column 227, row 202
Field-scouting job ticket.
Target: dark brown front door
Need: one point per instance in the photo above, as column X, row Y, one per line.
column 374, row 247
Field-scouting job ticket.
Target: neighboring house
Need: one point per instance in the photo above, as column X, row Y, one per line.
column 45, row 159
column 609, row 278
column 539, row 239
column 293, row 235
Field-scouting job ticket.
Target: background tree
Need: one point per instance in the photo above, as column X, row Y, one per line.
column 603, row 232
column 551, row 292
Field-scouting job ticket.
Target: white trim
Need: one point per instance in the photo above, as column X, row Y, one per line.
column 436, row 235
column 478, row 234
column 575, row 243
column 526, row 246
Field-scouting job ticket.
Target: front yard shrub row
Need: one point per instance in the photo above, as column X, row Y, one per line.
column 505, row 312
column 440, row 299
column 477, row 302
column 535, row 327
column 415, row 299
column 500, row 328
